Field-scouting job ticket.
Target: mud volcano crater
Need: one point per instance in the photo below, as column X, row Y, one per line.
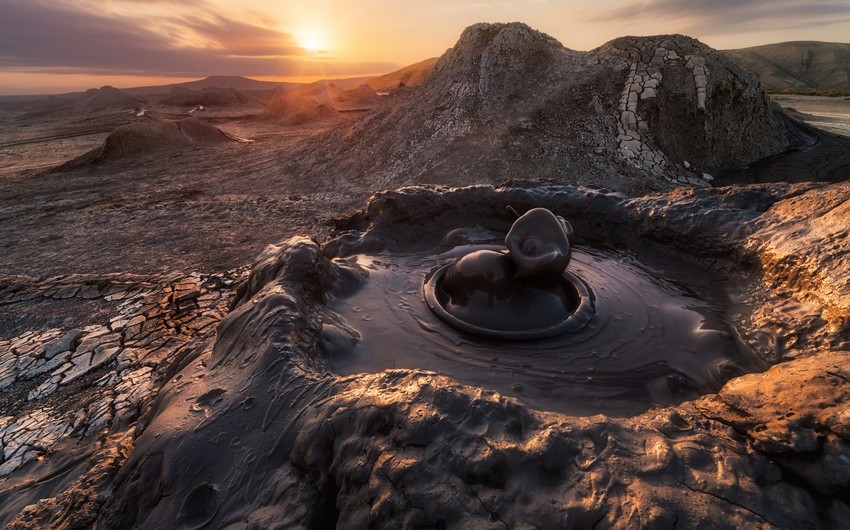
column 266, row 427
column 629, row 324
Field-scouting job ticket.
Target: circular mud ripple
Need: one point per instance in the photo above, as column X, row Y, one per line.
column 568, row 309
column 650, row 341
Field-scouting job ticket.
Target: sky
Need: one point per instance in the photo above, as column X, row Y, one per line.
column 55, row 46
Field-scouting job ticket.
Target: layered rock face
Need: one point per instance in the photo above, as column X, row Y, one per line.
column 507, row 102
column 684, row 102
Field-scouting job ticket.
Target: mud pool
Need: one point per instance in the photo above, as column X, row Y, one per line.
column 656, row 337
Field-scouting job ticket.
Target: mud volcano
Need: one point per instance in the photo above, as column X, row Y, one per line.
column 254, row 430
column 613, row 334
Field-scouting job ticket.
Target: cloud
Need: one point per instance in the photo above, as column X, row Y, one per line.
column 160, row 38
column 728, row 16
column 242, row 39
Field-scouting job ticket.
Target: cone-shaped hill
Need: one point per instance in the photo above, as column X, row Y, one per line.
column 108, row 98
column 149, row 137
column 318, row 101
column 510, row 102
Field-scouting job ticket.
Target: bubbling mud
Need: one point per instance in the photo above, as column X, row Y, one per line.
column 651, row 340
column 525, row 293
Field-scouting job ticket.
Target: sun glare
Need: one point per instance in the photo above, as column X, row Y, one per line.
column 313, row 40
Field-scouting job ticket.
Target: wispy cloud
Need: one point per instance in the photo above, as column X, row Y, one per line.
column 483, row 7
column 727, row 16
column 161, row 37
column 240, row 38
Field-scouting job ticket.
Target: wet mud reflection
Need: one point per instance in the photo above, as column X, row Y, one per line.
column 651, row 340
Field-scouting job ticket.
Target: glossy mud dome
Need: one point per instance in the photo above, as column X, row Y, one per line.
column 656, row 337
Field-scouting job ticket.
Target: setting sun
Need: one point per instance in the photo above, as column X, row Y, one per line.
column 312, row 40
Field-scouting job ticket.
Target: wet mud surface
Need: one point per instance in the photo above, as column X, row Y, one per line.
column 652, row 339
column 827, row 113
column 253, row 428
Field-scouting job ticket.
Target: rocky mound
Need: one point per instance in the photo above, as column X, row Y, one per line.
column 362, row 97
column 636, row 114
column 292, row 108
column 109, row 98
column 151, row 136
column 93, row 101
column 693, row 103
column 798, row 66
column 207, row 97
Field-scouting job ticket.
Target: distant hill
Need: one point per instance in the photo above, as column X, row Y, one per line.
column 181, row 96
column 107, row 98
column 349, row 82
column 236, row 82
column 410, row 76
column 94, row 101
column 233, row 81
column 798, row 66
column 151, row 136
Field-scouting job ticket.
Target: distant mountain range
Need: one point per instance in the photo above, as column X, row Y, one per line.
column 801, row 66
column 783, row 67
column 798, row 66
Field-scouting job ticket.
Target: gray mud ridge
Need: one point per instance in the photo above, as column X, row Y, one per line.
column 636, row 114
column 265, row 437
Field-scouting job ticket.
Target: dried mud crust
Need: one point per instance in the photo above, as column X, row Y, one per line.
column 267, row 438
column 73, row 392
column 192, row 211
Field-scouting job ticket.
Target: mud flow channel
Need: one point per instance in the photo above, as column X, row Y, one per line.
column 654, row 338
